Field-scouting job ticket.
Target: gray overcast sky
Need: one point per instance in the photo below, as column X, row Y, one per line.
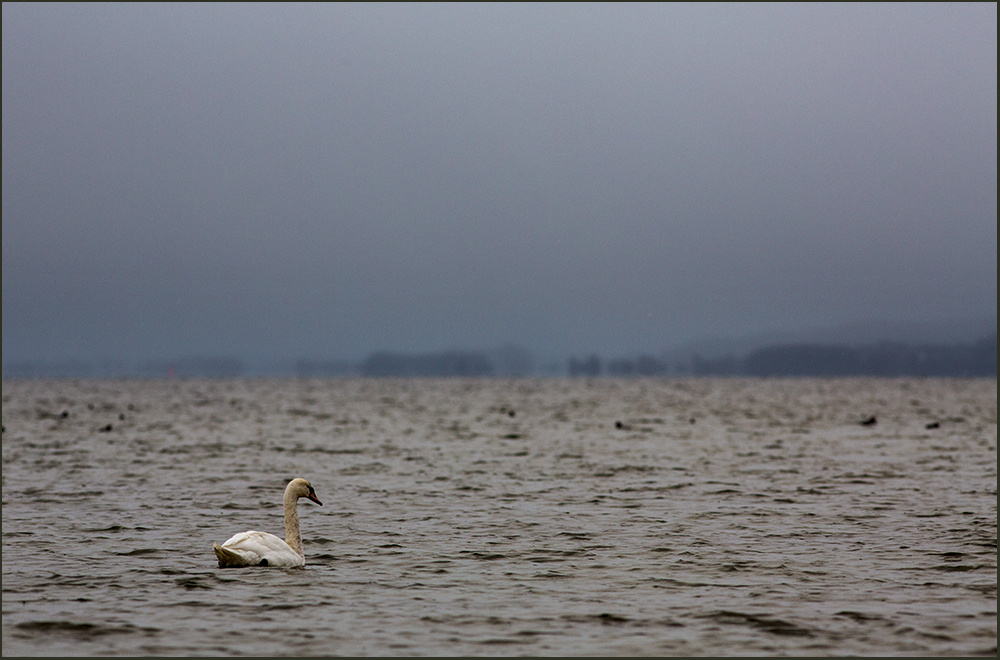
column 328, row 180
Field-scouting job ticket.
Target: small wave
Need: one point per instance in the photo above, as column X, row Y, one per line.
column 486, row 556
column 964, row 568
column 323, row 557
column 138, row 552
column 109, row 528
column 192, row 583
column 576, row 536
column 765, row 623
column 79, row 630
column 270, row 607
column 860, row 617
column 497, row 641
column 604, row 618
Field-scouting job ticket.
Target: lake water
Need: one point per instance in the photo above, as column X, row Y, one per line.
column 504, row 517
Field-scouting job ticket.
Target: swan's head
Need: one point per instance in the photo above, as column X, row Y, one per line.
column 302, row 488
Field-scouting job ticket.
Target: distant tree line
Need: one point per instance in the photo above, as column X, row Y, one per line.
column 883, row 359
column 508, row 360
column 323, row 368
column 644, row 365
column 978, row 359
column 190, row 367
column 450, row 363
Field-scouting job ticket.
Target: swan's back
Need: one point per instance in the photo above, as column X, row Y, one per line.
column 257, row 549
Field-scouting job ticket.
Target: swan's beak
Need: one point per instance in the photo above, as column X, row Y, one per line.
column 312, row 496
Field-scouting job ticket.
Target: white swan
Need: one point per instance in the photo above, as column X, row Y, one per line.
column 263, row 549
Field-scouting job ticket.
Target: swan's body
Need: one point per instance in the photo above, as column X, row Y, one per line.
column 263, row 549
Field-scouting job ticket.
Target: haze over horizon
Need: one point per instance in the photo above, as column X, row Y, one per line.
column 276, row 182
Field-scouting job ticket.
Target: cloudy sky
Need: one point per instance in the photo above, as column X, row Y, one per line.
column 329, row 180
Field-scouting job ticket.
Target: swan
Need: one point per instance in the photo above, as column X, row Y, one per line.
column 263, row 549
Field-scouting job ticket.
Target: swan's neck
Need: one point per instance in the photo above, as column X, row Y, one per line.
column 293, row 536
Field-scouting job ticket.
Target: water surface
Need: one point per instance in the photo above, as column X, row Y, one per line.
column 503, row 517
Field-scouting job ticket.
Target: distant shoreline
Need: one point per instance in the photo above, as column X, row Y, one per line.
column 882, row 359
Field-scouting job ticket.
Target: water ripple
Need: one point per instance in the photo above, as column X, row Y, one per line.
column 605, row 517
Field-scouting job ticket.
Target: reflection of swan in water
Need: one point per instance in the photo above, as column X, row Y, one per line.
column 263, row 549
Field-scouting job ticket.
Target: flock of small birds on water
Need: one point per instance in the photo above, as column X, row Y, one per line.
column 620, row 425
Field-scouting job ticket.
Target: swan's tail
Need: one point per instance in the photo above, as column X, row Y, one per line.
column 229, row 558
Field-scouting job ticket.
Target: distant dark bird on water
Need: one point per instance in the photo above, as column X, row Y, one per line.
column 871, row 421
column 933, row 425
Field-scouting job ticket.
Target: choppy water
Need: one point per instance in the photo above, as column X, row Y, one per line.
column 504, row 517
